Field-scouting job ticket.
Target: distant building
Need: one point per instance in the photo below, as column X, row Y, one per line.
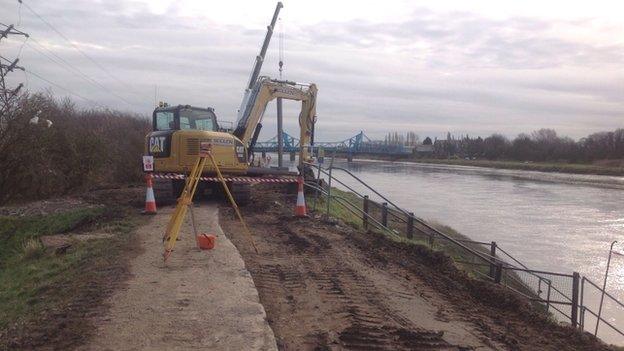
column 423, row 150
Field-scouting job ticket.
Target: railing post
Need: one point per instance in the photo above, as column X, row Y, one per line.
column 365, row 205
column 384, row 214
column 548, row 296
column 582, row 306
column 604, row 289
column 431, row 240
column 498, row 274
column 329, row 185
column 575, row 299
column 410, row 225
column 493, row 261
column 319, row 186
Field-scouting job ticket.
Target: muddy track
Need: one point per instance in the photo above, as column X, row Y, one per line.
column 348, row 308
column 330, row 287
column 321, row 292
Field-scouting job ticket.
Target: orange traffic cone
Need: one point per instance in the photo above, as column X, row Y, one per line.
column 150, row 201
column 300, row 209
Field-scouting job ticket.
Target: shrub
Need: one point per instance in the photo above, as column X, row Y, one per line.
column 82, row 149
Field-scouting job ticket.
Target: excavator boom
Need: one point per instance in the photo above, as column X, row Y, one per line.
column 267, row 89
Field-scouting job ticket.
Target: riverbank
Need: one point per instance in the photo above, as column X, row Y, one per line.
column 349, row 288
column 572, row 168
column 605, row 167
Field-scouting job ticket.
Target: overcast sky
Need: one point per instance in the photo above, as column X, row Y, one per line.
column 468, row 67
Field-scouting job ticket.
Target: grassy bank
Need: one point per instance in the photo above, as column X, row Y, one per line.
column 474, row 266
column 353, row 218
column 47, row 293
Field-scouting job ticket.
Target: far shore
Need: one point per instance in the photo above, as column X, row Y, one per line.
column 607, row 167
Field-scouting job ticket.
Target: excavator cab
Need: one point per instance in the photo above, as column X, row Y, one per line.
column 184, row 117
column 177, row 132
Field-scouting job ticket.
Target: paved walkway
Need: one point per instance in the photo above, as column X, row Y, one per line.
column 199, row 300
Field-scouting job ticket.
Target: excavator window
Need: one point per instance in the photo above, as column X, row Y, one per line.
column 164, row 120
column 185, row 118
column 197, row 119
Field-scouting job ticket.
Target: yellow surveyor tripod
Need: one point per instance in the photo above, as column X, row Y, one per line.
column 186, row 200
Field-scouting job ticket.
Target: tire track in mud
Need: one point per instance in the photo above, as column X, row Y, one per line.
column 305, row 274
column 326, row 286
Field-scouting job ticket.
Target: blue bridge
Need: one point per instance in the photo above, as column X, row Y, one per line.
column 357, row 144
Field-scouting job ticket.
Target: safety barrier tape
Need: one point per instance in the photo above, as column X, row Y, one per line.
column 230, row 179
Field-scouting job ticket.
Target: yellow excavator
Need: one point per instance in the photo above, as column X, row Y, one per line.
column 178, row 131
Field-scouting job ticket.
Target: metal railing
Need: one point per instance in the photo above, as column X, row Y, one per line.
column 551, row 290
column 584, row 309
column 383, row 221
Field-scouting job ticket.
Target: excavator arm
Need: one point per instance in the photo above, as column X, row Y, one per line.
column 262, row 93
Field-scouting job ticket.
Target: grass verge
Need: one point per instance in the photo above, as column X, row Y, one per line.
column 45, row 296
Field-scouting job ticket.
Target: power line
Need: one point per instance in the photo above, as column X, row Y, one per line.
column 63, row 63
column 73, row 70
column 63, row 88
column 101, row 67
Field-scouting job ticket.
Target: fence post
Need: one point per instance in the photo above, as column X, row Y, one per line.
column 365, row 214
column 548, row 296
column 410, row 225
column 384, row 214
column 499, row 273
column 575, row 299
column 319, row 185
column 582, row 306
column 329, row 185
column 493, row 261
column 431, row 239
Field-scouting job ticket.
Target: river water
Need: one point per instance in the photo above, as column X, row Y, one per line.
column 549, row 221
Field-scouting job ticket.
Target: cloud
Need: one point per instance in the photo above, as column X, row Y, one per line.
column 427, row 71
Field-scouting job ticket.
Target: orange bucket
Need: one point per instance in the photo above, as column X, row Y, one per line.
column 206, row 241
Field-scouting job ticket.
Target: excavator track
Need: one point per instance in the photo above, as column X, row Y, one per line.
column 241, row 192
column 167, row 191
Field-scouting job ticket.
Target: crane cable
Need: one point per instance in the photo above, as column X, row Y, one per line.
column 281, row 47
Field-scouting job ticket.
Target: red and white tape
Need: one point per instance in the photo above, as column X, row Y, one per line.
column 230, row 179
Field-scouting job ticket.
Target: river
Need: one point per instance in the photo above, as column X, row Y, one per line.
column 549, row 221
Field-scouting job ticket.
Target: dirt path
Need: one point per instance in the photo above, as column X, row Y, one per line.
column 199, row 300
column 329, row 286
column 321, row 292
